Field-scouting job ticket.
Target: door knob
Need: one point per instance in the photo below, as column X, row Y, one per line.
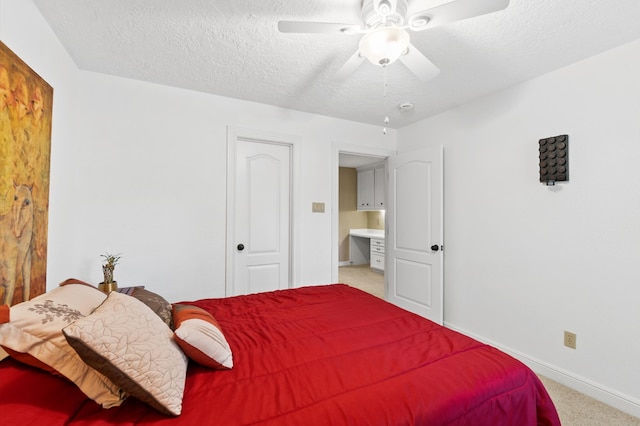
column 240, row 247
column 435, row 247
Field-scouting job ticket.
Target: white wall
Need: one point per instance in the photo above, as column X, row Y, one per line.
column 140, row 169
column 155, row 158
column 524, row 261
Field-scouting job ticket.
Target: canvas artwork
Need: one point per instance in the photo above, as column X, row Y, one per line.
column 26, row 101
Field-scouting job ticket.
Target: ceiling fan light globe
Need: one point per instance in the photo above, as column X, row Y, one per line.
column 384, row 45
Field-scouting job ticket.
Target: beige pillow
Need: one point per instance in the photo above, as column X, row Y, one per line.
column 127, row 342
column 34, row 336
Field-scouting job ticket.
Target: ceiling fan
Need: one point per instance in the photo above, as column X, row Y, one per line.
column 385, row 24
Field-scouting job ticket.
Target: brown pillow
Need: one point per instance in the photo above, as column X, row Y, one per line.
column 75, row 281
column 157, row 303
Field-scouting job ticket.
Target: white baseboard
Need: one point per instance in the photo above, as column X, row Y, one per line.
column 583, row 385
column 345, row 263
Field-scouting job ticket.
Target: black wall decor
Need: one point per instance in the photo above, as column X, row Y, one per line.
column 554, row 159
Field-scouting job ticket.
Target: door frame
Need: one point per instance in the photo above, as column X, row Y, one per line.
column 344, row 148
column 235, row 134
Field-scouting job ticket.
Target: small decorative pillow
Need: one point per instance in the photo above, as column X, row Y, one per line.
column 156, row 303
column 34, row 336
column 127, row 342
column 4, row 317
column 200, row 337
column 5, row 314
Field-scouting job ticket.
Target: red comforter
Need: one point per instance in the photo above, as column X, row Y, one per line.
column 315, row 355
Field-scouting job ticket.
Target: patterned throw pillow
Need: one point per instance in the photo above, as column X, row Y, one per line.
column 34, row 336
column 200, row 337
column 127, row 342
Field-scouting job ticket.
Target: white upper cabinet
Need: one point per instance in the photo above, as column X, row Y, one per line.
column 371, row 187
column 365, row 189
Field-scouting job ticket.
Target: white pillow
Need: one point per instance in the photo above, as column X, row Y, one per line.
column 127, row 342
column 200, row 337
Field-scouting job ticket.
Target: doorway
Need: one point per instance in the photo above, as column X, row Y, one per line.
column 413, row 232
column 352, row 269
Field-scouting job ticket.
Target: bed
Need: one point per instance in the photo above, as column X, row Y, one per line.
column 321, row 355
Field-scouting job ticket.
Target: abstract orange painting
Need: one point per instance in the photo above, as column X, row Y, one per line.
column 26, row 102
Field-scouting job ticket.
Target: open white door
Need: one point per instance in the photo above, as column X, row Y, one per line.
column 415, row 232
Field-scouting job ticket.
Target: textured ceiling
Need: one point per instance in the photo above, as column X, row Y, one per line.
column 233, row 48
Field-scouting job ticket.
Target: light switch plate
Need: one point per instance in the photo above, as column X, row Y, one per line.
column 317, row 207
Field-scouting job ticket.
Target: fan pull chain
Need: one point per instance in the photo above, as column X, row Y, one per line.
column 384, row 97
column 386, row 81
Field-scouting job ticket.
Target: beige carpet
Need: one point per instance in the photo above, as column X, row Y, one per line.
column 362, row 277
column 574, row 408
column 577, row 409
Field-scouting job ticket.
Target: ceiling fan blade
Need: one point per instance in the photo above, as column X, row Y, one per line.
column 418, row 64
column 350, row 66
column 457, row 10
column 317, row 27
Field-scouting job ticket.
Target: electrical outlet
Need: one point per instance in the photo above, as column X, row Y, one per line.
column 570, row 339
